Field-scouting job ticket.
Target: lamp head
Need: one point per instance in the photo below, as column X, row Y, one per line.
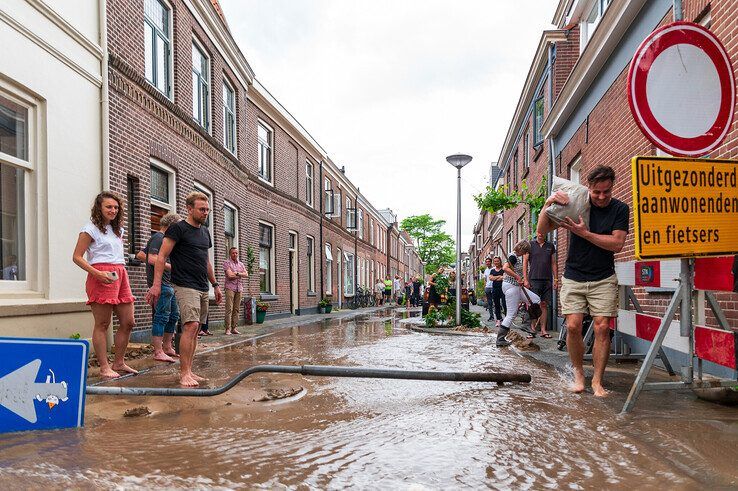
column 458, row 160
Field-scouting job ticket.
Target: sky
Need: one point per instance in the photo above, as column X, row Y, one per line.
column 389, row 88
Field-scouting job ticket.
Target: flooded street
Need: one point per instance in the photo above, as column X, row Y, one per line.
column 380, row 434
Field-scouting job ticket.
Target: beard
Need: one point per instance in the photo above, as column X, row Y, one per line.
column 200, row 220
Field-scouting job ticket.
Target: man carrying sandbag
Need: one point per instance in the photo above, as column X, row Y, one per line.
column 589, row 284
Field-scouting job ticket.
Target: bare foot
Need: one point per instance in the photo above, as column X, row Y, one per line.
column 577, row 386
column 228, row 332
column 188, row 381
column 235, row 332
column 161, row 356
column 108, row 373
column 171, row 352
column 600, row 391
column 124, row 368
column 198, row 378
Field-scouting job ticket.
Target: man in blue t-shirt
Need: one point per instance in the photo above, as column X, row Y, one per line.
column 187, row 243
column 590, row 284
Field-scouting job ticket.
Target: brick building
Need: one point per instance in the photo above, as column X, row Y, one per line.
column 187, row 113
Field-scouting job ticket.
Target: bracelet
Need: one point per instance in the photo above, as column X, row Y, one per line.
column 215, row 285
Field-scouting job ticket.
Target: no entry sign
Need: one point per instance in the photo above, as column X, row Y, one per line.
column 681, row 89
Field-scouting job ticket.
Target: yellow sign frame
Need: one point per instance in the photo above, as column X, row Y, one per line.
column 672, row 195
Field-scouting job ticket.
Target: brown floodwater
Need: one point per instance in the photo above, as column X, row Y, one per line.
column 380, row 434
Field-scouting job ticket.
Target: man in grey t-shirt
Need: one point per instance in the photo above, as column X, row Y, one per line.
column 541, row 269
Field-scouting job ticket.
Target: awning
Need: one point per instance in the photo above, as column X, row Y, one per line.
column 328, row 255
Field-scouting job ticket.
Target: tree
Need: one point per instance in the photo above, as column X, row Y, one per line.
column 435, row 247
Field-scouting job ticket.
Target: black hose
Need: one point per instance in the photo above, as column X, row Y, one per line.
column 319, row 371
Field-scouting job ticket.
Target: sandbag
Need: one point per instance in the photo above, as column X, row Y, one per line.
column 578, row 202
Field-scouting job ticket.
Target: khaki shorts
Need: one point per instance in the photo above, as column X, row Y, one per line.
column 596, row 298
column 193, row 304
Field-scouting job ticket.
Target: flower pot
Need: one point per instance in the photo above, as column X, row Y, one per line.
column 260, row 316
column 321, row 310
column 328, row 309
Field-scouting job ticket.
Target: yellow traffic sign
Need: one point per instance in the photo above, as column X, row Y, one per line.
column 685, row 207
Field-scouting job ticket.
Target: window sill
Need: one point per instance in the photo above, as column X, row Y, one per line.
column 268, row 297
column 312, row 294
column 268, row 183
column 538, row 150
column 33, row 303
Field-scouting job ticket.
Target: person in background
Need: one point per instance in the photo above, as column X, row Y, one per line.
column 452, row 285
column 542, row 266
column 408, row 291
column 397, row 288
column 387, row 290
column 515, row 279
column 379, row 291
column 108, row 288
column 498, row 298
column 166, row 312
column 416, row 291
column 10, row 271
column 235, row 273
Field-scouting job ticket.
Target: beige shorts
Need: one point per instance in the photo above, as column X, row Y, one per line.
column 193, row 304
column 596, row 298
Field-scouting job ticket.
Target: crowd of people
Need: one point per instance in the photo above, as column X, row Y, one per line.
column 398, row 292
column 179, row 275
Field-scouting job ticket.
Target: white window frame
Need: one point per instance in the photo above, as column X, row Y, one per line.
column 232, row 147
column 272, row 262
column 361, row 223
column 479, row 241
column 236, row 242
column 587, row 29
column 520, row 229
column 172, row 184
column 575, row 170
column 203, row 82
column 309, row 178
column 168, row 38
column 329, row 198
column 328, row 269
column 349, row 257
column 526, row 150
column 270, row 146
column 510, row 242
column 34, row 235
column 310, row 253
column 337, row 205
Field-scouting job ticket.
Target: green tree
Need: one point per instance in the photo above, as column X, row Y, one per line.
column 435, row 247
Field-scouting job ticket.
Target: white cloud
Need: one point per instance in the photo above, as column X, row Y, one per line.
column 389, row 88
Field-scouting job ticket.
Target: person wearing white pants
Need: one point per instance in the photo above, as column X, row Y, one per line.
column 516, row 275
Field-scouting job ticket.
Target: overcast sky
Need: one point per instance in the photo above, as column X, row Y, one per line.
column 389, row 88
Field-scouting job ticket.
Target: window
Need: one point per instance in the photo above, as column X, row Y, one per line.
column 328, row 269
column 229, row 118
column 209, row 222
column 350, row 215
column 361, row 224
column 162, row 191
column 371, row 231
column 265, row 134
column 266, row 258
column 479, row 241
column 537, row 121
column 132, row 225
column 230, row 226
column 348, row 277
column 309, row 183
column 515, row 169
column 575, row 169
column 14, row 163
column 311, row 263
column 200, row 87
column 337, row 203
column 509, row 242
column 593, row 12
column 521, row 229
column 157, row 38
column 328, row 205
column 526, row 151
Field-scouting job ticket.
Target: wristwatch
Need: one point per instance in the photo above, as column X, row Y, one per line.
column 215, row 284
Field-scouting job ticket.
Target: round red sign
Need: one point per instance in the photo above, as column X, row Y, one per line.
column 681, row 89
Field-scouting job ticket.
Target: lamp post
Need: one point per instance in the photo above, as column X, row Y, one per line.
column 458, row 160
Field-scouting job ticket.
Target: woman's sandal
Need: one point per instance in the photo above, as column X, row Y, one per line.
column 547, row 336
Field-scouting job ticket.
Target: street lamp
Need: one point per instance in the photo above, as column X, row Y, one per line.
column 458, row 160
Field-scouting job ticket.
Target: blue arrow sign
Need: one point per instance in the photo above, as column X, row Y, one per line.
column 42, row 383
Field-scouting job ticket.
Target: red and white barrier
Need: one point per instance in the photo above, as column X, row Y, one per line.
column 644, row 326
column 716, row 345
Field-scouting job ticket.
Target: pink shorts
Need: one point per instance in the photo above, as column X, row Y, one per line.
column 114, row 293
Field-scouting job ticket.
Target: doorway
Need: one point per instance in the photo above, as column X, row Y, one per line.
column 294, row 283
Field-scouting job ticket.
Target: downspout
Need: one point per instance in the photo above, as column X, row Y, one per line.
column 552, row 173
column 322, row 246
column 356, row 244
column 104, row 112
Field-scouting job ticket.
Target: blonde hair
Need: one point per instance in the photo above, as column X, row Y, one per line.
column 522, row 247
column 169, row 219
column 195, row 196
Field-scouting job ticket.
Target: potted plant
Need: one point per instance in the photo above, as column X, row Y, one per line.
column 261, row 311
column 325, row 305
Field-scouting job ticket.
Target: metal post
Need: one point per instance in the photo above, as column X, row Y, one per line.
column 677, row 7
column 653, row 350
column 458, row 246
column 685, row 315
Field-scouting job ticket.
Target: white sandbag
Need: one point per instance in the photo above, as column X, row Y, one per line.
column 578, row 202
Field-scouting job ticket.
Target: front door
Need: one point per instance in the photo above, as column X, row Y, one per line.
column 294, row 285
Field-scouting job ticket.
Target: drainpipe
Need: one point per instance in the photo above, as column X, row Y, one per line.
column 322, row 246
column 356, row 244
column 552, row 173
column 104, row 112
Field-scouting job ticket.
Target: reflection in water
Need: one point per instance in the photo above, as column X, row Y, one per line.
column 379, row 433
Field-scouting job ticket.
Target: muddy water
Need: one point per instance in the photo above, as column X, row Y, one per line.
column 375, row 434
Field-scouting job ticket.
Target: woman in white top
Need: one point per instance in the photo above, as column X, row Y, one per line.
column 108, row 288
column 513, row 282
